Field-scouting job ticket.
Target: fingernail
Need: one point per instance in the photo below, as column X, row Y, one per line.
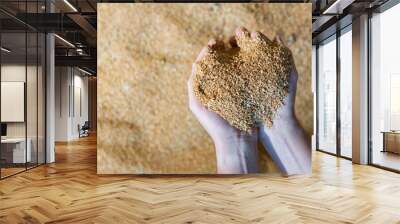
column 242, row 32
column 278, row 39
column 255, row 35
column 212, row 42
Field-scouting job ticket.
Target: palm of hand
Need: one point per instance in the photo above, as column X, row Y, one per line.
column 215, row 125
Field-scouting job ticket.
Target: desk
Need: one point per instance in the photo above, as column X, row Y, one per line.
column 391, row 141
column 15, row 148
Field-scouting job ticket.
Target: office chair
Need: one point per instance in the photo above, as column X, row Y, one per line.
column 84, row 130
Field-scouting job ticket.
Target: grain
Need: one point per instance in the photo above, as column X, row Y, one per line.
column 245, row 85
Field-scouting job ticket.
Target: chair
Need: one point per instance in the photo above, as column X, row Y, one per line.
column 84, row 130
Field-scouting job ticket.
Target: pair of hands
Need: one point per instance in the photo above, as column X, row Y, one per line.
column 237, row 151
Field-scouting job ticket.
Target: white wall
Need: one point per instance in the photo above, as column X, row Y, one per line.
column 70, row 83
column 62, row 82
column 81, row 84
column 12, row 73
column 13, row 101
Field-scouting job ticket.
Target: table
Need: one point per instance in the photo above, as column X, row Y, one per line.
column 15, row 148
column 391, row 141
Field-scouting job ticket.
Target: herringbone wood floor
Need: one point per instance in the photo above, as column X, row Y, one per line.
column 69, row 191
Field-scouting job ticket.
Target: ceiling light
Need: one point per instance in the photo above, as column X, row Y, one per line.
column 5, row 50
column 84, row 71
column 337, row 7
column 80, row 51
column 70, row 5
column 65, row 41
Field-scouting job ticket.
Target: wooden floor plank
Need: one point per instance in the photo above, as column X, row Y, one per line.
column 70, row 191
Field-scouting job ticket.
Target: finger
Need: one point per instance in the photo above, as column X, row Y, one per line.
column 278, row 40
column 242, row 32
column 233, row 42
column 194, row 103
column 192, row 99
column 215, row 44
column 202, row 53
column 211, row 43
column 191, row 77
column 242, row 37
column 293, row 77
column 256, row 35
column 252, row 131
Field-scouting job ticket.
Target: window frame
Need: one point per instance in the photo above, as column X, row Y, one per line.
column 337, row 35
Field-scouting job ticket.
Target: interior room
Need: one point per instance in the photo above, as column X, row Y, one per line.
column 333, row 52
column 22, row 103
column 27, row 59
column 385, row 87
column 49, row 169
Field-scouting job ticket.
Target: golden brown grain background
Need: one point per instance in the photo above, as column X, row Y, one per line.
column 145, row 54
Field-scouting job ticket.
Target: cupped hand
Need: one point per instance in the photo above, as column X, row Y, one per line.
column 236, row 151
column 286, row 141
column 218, row 128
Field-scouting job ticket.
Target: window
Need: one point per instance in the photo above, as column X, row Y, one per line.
column 333, row 137
column 385, row 89
column 327, row 95
column 346, row 92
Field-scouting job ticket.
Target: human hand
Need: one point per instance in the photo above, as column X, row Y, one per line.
column 286, row 141
column 236, row 151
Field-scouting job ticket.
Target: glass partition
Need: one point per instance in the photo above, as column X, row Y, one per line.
column 327, row 95
column 22, row 77
column 13, row 109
